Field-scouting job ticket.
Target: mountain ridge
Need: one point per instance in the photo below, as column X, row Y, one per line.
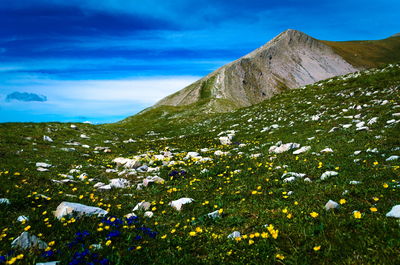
column 265, row 72
column 291, row 59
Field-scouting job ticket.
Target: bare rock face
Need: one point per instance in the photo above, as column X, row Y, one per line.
column 290, row 60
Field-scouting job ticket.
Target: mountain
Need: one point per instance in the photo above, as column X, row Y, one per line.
column 290, row 60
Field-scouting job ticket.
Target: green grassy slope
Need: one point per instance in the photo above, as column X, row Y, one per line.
column 367, row 54
column 245, row 185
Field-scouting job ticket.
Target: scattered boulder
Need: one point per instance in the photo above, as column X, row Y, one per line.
column 41, row 164
column 326, row 150
column 48, row 263
column 392, row 158
column 119, row 183
column 215, row 214
column 47, row 139
column 4, row 201
column 281, row 148
column 71, row 208
column 148, row 214
column 331, row 205
column 302, row 150
column 22, row 218
column 142, row 206
column 394, row 212
column 233, row 235
column 225, row 140
column 177, row 204
column 328, row 174
column 28, row 241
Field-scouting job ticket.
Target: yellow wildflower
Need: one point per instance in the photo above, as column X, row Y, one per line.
column 357, row 215
column 314, row 214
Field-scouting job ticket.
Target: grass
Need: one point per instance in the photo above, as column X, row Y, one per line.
column 248, row 190
column 367, row 54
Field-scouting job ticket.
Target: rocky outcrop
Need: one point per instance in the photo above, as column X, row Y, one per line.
column 290, row 60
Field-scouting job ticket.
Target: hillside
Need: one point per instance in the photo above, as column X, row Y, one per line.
column 368, row 54
column 260, row 178
column 290, row 60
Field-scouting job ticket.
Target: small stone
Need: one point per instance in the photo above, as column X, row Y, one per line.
column 71, row 208
column 328, row 174
column 302, row 150
column 326, row 150
column 392, row 158
column 119, row 183
column 148, row 214
column 41, row 164
column 22, row 218
column 27, row 241
column 47, row 139
column 225, row 140
column 214, row 214
column 394, row 212
column 177, row 204
column 142, row 206
column 4, row 201
column 233, row 235
column 331, row 205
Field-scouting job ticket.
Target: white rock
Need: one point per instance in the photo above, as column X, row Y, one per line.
column 372, row 121
column 225, row 140
column 390, row 121
column 192, row 154
column 326, row 150
column 148, row 214
column 365, row 128
column 220, row 153
column 84, row 136
column 4, row 201
column 302, row 150
column 98, row 185
column 27, row 241
column 119, row 183
column 48, row 263
column 22, row 218
column 328, row 174
column 142, row 206
column 354, row 182
column 41, row 164
column 47, row 139
column 360, row 124
column 331, row 205
column 214, row 214
column 234, row 235
column 71, row 208
column 294, row 174
column 278, row 149
column 392, row 158
column 395, row 212
column 177, row 204
column 346, row 126
column 104, row 187
column 290, row 179
column 129, row 215
column 357, row 152
column 41, row 169
column 127, row 163
column 307, row 180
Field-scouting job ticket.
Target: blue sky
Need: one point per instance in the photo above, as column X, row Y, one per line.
column 103, row 60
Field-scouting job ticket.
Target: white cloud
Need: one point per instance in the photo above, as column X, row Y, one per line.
column 144, row 91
